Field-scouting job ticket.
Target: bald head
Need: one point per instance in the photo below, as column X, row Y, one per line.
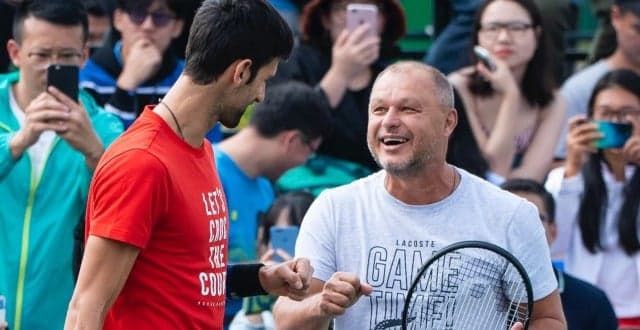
column 443, row 89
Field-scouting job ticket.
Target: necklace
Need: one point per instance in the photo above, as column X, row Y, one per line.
column 175, row 120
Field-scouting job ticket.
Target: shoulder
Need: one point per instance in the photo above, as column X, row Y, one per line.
column 586, row 78
column 356, row 191
column 128, row 164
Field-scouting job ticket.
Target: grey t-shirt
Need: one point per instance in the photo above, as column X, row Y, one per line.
column 577, row 92
column 361, row 228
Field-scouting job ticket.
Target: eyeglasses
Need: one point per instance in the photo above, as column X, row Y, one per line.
column 42, row 58
column 311, row 143
column 617, row 114
column 515, row 29
column 159, row 18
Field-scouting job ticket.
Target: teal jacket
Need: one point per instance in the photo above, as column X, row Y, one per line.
column 38, row 216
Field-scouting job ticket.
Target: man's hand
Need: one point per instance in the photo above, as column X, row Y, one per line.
column 290, row 278
column 518, row 326
column 77, row 129
column 142, row 62
column 340, row 292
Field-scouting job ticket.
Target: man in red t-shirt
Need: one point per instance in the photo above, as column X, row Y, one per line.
column 157, row 223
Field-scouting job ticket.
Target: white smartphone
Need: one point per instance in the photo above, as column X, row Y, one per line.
column 484, row 57
column 360, row 13
column 283, row 238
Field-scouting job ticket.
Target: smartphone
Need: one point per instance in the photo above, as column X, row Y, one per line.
column 360, row 13
column 615, row 134
column 283, row 238
column 65, row 78
column 484, row 57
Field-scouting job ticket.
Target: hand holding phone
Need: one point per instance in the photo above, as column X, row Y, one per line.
column 361, row 13
column 485, row 58
column 615, row 134
column 65, row 78
column 283, row 238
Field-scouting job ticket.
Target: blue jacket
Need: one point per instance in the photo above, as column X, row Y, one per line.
column 37, row 218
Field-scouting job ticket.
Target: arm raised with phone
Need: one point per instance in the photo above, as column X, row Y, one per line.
column 54, row 110
column 355, row 48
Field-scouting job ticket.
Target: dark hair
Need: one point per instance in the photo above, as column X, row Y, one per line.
column 58, row 12
column 593, row 204
column 292, row 105
column 314, row 32
column 537, row 83
column 297, row 202
column 100, row 8
column 224, row 31
column 176, row 6
column 533, row 187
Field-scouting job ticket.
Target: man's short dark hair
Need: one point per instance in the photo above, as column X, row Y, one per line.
column 224, row 31
column 292, row 105
column 533, row 187
column 58, row 12
column 176, row 6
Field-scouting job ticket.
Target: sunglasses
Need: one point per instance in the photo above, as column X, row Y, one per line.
column 159, row 18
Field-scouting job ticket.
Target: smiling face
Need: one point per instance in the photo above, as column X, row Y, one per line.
column 408, row 126
column 507, row 31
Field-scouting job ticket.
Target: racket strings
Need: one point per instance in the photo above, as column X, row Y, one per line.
column 474, row 289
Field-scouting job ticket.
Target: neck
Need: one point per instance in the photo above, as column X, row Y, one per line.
column 616, row 165
column 23, row 94
column 249, row 151
column 196, row 109
column 431, row 185
column 518, row 73
column 619, row 60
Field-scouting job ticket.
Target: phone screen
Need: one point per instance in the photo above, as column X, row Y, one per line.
column 65, row 78
column 615, row 134
column 283, row 238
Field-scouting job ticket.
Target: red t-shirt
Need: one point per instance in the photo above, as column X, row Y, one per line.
column 154, row 191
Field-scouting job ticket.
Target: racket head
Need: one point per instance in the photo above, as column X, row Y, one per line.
column 469, row 285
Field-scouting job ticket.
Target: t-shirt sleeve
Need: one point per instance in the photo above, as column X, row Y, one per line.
column 316, row 240
column 128, row 196
column 528, row 243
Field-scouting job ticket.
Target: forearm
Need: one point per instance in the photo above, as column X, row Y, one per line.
column 500, row 147
column 334, row 86
column 85, row 314
column 305, row 314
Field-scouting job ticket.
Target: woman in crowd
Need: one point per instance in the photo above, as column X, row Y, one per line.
column 342, row 65
column 509, row 118
column 598, row 193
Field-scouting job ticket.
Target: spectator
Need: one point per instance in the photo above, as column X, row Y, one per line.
column 597, row 212
column 370, row 237
column 50, row 145
column 625, row 17
column 510, row 118
column 585, row 306
column 287, row 210
column 157, row 221
column 282, row 133
column 100, row 12
column 342, row 66
column 127, row 74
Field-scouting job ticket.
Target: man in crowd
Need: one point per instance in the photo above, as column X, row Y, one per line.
column 50, row 144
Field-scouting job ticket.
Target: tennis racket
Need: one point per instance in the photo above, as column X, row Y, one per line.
column 469, row 285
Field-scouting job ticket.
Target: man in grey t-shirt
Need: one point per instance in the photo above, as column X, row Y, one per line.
column 367, row 240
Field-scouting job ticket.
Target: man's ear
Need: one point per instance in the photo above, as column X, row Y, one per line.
column 119, row 16
column 178, row 25
column 552, row 232
column 451, row 121
column 13, row 49
column 241, row 71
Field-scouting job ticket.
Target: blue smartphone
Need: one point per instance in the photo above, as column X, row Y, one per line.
column 615, row 134
column 283, row 238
